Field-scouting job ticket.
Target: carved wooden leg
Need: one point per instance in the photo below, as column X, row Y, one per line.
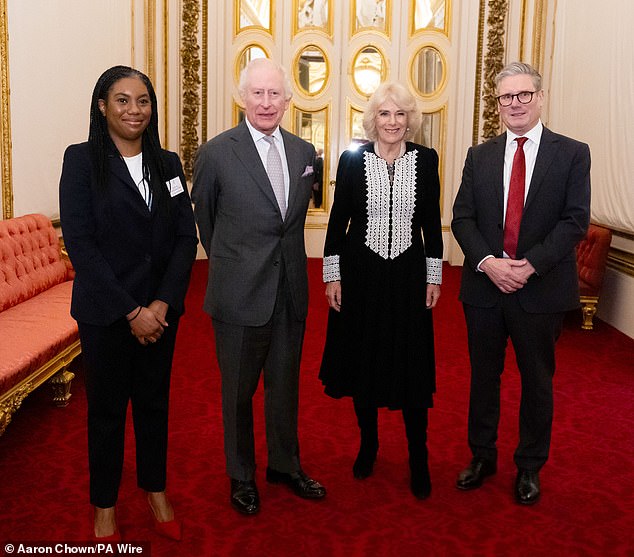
column 60, row 384
column 589, row 309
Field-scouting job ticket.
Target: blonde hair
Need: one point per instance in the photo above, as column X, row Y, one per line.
column 401, row 96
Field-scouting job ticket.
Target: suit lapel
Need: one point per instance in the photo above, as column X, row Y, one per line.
column 295, row 170
column 248, row 155
column 497, row 169
column 548, row 146
column 119, row 169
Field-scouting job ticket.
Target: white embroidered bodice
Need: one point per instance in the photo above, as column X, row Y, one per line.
column 390, row 206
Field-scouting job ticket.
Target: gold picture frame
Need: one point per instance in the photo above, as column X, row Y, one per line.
column 254, row 15
column 312, row 16
column 313, row 125
column 311, row 70
column 243, row 58
column 371, row 15
column 416, row 11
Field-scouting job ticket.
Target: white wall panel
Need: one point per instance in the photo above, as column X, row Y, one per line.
column 57, row 50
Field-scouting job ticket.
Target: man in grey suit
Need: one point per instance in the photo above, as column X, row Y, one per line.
column 252, row 185
column 522, row 207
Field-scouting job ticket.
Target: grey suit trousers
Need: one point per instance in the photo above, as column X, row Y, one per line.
column 243, row 353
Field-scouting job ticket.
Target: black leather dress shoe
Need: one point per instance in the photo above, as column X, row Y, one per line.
column 244, row 496
column 473, row 475
column 299, row 482
column 527, row 487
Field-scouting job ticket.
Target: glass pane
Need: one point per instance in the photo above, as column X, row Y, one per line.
column 370, row 13
column 312, row 13
column 250, row 53
column 311, row 126
column 368, row 70
column 430, row 132
column 429, row 14
column 311, row 70
column 427, row 70
column 357, row 133
column 255, row 13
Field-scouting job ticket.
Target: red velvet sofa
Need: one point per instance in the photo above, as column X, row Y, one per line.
column 38, row 337
column 592, row 258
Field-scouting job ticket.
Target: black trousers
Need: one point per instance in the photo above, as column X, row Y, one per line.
column 243, row 354
column 120, row 370
column 533, row 336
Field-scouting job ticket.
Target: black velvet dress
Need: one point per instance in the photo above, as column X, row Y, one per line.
column 380, row 347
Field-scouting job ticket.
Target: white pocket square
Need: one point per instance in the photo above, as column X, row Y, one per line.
column 307, row 171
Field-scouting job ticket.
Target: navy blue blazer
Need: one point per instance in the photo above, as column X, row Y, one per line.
column 556, row 217
column 124, row 254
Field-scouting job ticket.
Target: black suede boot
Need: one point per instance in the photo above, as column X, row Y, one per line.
column 416, row 429
column 367, row 418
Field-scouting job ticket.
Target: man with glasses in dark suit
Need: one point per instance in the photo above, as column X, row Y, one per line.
column 522, row 207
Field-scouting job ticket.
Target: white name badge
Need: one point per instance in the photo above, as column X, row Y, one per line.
column 175, row 186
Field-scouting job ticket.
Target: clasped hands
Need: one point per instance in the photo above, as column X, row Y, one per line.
column 148, row 323
column 509, row 275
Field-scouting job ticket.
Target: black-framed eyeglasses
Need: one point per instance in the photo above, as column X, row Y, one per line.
column 523, row 96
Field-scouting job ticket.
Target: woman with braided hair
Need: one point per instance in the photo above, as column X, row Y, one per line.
column 129, row 229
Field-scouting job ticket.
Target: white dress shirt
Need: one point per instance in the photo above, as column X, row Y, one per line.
column 263, row 150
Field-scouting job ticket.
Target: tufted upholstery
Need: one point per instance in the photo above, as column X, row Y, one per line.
column 30, row 259
column 592, row 256
column 38, row 338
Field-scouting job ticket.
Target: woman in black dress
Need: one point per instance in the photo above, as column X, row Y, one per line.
column 382, row 280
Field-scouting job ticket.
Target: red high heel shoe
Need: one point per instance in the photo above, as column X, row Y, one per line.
column 172, row 529
column 112, row 538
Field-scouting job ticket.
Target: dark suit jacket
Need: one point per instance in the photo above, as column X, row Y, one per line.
column 241, row 226
column 556, row 216
column 124, row 254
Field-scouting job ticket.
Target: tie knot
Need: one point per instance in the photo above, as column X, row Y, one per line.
column 521, row 141
column 269, row 139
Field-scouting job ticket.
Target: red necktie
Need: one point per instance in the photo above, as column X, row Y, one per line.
column 515, row 202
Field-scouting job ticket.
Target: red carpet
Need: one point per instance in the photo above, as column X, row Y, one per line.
column 587, row 486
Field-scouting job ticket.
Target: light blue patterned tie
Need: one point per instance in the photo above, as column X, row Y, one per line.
column 276, row 173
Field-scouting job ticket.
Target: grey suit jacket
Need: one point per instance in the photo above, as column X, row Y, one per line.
column 556, row 216
column 242, row 230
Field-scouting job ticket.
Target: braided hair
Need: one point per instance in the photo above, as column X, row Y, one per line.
column 101, row 143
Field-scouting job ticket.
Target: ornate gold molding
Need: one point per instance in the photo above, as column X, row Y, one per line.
column 477, row 94
column 523, row 16
column 493, row 63
column 205, row 69
column 150, row 39
column 166, row 73
column 5, row 115
column 539, row 34
column 190, row 61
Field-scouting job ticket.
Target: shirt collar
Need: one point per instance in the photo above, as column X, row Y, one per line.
column 257, row 135
column 533, row 134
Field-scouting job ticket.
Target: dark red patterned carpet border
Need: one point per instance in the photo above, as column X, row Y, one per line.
column 587, row 486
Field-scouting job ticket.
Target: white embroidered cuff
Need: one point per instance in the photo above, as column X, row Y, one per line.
column 434, row 270
column 331, row 268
